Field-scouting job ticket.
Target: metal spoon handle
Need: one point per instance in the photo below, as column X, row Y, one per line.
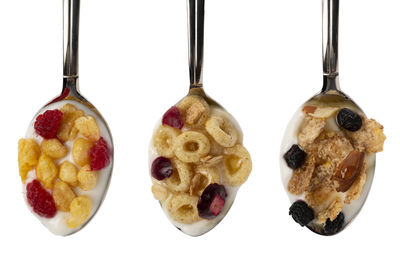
column 330, row 28
column 71, row 34
column 196, row 41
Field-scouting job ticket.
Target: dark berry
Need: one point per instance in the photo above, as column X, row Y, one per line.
column 40, row 200
column 335, row 226
column 301, row 212
column 173, row 118
column 349, row 120
column 99, row 155
column 295, row 157
column 161, row 168
column 47, row 124
column 212, row 201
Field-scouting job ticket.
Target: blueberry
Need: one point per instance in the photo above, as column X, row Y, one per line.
column 212, row 201
column 335, row 226
column 301, row 212
column 161, row 168
column 295, row 157
column 349, row 120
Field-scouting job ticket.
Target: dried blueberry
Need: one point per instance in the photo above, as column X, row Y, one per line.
column 161, row 168
column 301, row 212
column 349, row 120
column 295, row 157
column 212, row 201
column 335, row 226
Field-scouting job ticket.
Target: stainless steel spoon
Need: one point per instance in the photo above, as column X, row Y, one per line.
column 71, row 94
column 332, row 95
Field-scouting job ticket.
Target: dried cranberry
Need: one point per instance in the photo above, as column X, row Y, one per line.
column 301, row 212
column 99, row 155
column 47, row 124
column 349, row 120
column 212, row 201
column 173, row 118
column 161, row 168
column 40, row 200
column 295, row 157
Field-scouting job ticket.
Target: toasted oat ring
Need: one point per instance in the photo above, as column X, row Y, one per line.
column 183, row 208
column 237, row 165
column 190, row 146
column 180, row 179
column 222, row 130
column 163, row 140
column 194, row 110
column 204, row 176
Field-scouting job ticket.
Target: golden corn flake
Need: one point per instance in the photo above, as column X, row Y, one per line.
column 87, row 126
column 46, row 171
column 28, row 155
column 80, row 151
column 87, row 178
column 63, row 195
column 68, row 173
column 80, row 209
column 53, row 148
column 70, row 114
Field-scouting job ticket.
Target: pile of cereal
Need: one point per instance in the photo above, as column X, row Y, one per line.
column 65, row 159
column 329, row 164
column 198, row 159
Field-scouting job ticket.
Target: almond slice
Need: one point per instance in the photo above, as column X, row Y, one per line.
column 348, row 170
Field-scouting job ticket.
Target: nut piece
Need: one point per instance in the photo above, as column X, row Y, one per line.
column 194, row 110
column 222, row 130
column 159, row 192
column 312, row 128
column 348, row 171
column 301, row 177
column 63, row 195
column 28, row 155
column 369, row 138
column 46, row 171
column 70, row 114
column 87, row 126
column 320, row 112
column 80, row 209
column 80, row 151
column 87, row 178
column 237, row 165
column 68, row 173
column 354, row 191
column 53, row 148
column 190, row 146
column 183, row 208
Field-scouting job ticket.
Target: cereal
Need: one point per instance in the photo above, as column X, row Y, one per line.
column 222, row 130
column 63, row 195
column 87, row 178
column 310, row 131
column 68, row 173
column 28, row 156
column 183, row 208
column 194, row 110
column 70, row 114
column 163, row 140
column 80, row 151
column 46, row 171
column 53, row 148
column 301, row 177
column 354, row 191
column 80, row 210
column 180, row 179
column 204, row 175
column 320, row 112
column 332, row 211
column 237, row 165
column 190, row 146
column 87, row 126
column 369, row 138
column 159, row 192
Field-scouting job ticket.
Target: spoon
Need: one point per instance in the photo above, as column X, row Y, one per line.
column 328, row 105
column 196, row 156
column 80, row 185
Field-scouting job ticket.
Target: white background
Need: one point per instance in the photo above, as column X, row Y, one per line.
column 262, row 60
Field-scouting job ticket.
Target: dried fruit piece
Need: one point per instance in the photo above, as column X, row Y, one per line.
column 295, row 157
column 301, row 177
column 237, row 165
column 87, row 178
column 68, row 173
column 173, row 118
column 190, row 146
column 47, row 124
column 80, row 209
column 348, row 170
column 80, row 151
column 40, row 200
column 87, row 126
column 335, row 226
column 70, row 114
column 53, row 148
column 163, row 140
column 369, row 138
column 159, row 192
column 63, row 195
column 182, row 208
column 99, row 155
column 194, row 110
column 28, row 155
column 349, row 120
column 161, row 168
column 312, row 128
column 46, row 171
column 179, row 181
column 212, row 201
column 211, row 160
column 301, row 212
column 222, row 130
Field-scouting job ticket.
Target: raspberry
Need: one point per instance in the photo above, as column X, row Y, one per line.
column 173, row 118
column 47, row 124
column 99, row 155
column 40, row 200
column 212, row 201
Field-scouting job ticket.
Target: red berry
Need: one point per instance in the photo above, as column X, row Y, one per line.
column 173, row 118
column 40, row 200
column 99, row 155
column 217, row 205
column 47, row 124
column 212, row 201
column 161, row 168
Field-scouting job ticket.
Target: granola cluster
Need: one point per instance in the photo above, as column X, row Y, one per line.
column 198, row 147
column 77, row 137
column 333, row 172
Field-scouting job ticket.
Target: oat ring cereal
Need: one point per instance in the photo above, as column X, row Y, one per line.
column 204, row 176
column 180, row 179
column 237, row 165
column 183, row 208
column 222, row 130
column 163, row 140
column 190, row 146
